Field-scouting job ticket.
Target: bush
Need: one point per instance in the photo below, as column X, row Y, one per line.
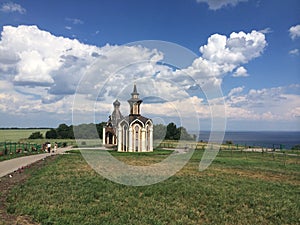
column 229, row 142
column 171, row 132
column 296, row 147
column 36, row 135
column 51, row 134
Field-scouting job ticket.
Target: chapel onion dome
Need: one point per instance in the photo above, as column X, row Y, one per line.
column 116, row 103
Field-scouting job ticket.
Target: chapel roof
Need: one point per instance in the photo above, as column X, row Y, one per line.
column 131, row 118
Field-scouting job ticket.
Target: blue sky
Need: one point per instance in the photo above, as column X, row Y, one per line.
column 261, row 91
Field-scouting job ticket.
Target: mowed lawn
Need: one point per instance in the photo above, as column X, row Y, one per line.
column 237, row 188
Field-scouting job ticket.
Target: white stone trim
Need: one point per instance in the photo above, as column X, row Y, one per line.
column 103, row 136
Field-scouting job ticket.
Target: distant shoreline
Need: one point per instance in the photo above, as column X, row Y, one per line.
column 266, row 139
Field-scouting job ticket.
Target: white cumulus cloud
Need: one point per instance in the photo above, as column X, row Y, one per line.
column 218, row 4
column 294, row 52
column 236, row 90
column 75, row 21
column 222, row 55
column 43, row 72
column 240, row 72
column 12, row 7
column 31, row 57
column 295, row 31
column 36, row 54
column 238, row 48
column 278, row 103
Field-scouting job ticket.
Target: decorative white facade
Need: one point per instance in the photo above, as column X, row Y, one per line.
column 133, row 133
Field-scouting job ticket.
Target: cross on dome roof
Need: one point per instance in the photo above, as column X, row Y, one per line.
column 134, row 90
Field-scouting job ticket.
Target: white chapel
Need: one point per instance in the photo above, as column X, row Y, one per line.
column 133, row 133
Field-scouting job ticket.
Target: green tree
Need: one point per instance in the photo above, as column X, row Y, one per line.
column 159, row 131
column 51, row 134
column 36, row 135
column 172, row 132
column 71, row 132
column 296, row 147
column 99, row 128
column 229, row 142
column 64, row 131
column 86, row 131
column 183, row 134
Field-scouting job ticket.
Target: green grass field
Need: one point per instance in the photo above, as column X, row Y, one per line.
column 238, row 188
column 14, row 135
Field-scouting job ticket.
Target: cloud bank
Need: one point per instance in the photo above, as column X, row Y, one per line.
column 40, row 73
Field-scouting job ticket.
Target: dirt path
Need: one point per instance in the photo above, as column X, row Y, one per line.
column 15, row 178
column 9, row 166
column 13, row 172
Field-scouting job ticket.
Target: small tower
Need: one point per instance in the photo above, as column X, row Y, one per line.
column 116, row 116
column 135, row 102
column 109, row 131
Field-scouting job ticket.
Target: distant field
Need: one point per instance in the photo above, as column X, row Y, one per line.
column 15, row 135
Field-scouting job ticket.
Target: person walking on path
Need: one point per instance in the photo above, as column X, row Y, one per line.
column 49, row 147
